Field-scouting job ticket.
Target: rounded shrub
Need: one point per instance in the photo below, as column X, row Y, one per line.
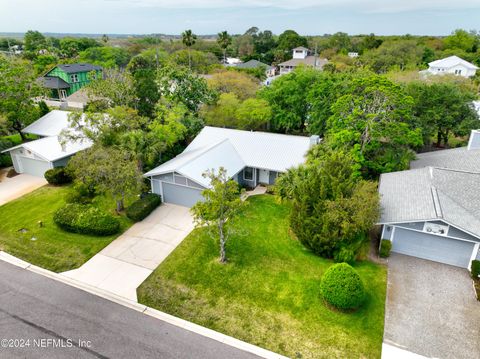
column 142, row 207
column 86, row 219
column 57, row 176
column 342, row 287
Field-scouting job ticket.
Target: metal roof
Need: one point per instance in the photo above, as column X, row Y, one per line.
column 234, row 149
column 53, row 82
column 50, row 124
column 51, row 149
column 80, row 67
column 451, row 61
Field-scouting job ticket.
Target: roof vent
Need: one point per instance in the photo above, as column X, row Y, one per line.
column 474, row 141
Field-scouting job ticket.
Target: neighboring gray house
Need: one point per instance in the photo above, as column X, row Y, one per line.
column 250, row 158
column 253, row 64
column 433, row 210
column 301, row 57
column 36, row 157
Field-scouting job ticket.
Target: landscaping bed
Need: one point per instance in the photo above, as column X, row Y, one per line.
column 27, row 231
column 268, row 294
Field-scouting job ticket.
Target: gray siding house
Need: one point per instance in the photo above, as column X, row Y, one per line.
column 250, row 158
column 36, row 157
column 433, row 210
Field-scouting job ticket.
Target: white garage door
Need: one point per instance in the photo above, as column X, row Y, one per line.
column 435, row 248
column 32, row 166
column 181, row 195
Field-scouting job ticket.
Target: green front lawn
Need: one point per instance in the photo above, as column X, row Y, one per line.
column 53, row 248
column 268, row 293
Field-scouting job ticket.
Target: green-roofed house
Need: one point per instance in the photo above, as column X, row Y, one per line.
column 64, row 80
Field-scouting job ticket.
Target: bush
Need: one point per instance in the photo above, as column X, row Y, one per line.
column 57, row 176
column 86, row 219
column 342, row 287
column 80, row 193
column 385, row 248
column 142, row 207
column 475, row 268
column 344, row 254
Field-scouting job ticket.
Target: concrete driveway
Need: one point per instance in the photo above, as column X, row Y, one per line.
column 126, row 262
column 431, row 309
column 15, row 187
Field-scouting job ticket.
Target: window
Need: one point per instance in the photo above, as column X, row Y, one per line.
column 458, row 72
column 74, row 78
column 248, row 174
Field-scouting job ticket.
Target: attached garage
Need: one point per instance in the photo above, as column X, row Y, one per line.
column 32, row 166
column 37, row 157
column 177, row 189
column 181, row 195
column 436, row 248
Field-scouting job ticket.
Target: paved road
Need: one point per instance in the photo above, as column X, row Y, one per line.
column 431, row 309
column 39, row 309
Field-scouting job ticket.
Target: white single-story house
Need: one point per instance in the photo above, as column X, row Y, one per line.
column 36, row 157
column 451, row 65
column 250, row 158
column 301, row 56
column 432, row 211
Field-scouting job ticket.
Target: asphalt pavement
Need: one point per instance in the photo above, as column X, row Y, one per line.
column 43, row 318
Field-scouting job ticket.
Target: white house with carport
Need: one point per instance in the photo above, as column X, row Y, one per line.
column 433, row 210
column 451, row 65
column 250, row 158
column 37, row 157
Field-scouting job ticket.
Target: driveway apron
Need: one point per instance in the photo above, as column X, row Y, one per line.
column 126, row 262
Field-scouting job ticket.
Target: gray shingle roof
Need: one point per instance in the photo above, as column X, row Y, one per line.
column 432, row 193
column 456, row 158
column 80, row 67
column 308, row 61
column 53, row 82
column 252, row 64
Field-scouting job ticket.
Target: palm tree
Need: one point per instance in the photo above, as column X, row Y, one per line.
column 224, row 40
column 189, row 39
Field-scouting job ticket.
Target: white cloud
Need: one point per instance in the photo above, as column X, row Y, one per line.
column 368, row 6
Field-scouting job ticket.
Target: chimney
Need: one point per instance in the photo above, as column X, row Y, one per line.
column 474, row 141
column 315, row 140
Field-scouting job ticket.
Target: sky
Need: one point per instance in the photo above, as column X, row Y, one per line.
column 307, row 17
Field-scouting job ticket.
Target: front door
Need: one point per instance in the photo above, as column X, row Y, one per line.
column 63, row 94
column 264, row 176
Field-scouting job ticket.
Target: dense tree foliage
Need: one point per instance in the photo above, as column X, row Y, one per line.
column 108, row 170
column 241, row 84
column 18, row 88
column 372, row 121
column 332, row 208
column 442, row 109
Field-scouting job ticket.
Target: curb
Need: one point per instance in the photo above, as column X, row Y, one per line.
column 178, row 322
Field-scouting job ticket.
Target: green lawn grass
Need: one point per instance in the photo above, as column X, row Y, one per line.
column 268, row 293
column 53, row 248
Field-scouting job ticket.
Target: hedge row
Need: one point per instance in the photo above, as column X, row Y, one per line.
column 86, row 219
column 142, row 207
column 57, row 176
